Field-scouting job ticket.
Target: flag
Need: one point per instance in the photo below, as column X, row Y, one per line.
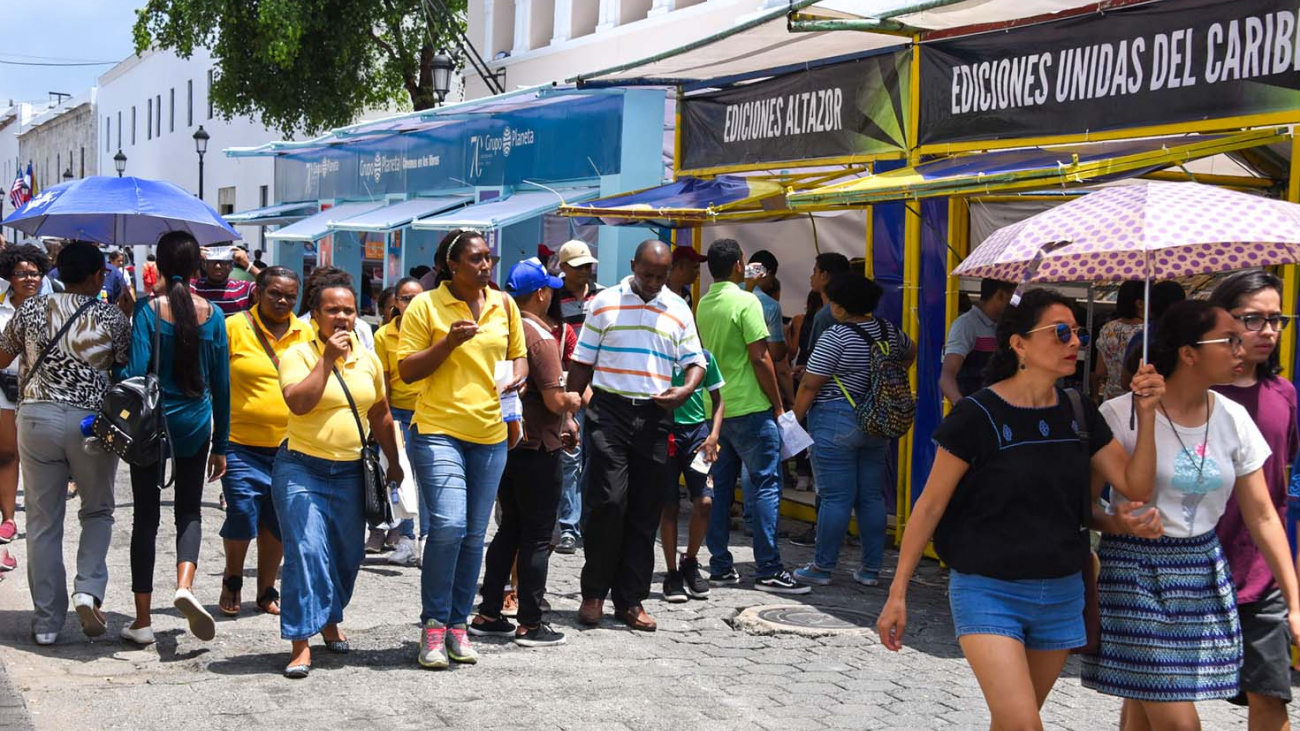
column 31, row 181
column 19, row 193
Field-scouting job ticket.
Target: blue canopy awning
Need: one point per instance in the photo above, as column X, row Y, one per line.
column 684, row 202
column 276, row 215
column 502, row 212
column 318, row 226
column 399, row 215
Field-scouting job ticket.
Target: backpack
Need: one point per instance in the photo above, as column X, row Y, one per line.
column 131, row 422
column 888, row 408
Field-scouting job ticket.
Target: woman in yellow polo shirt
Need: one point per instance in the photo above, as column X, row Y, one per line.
column 453, row 337
column 258, row 421
column 401, row 401
column 316, row 481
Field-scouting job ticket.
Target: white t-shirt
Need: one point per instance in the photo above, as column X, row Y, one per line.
column 1192, row 500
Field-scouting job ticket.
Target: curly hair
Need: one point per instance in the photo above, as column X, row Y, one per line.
column 11, row 255
column 326, row 278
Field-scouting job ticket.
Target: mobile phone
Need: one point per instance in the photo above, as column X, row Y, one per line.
column 755, row 270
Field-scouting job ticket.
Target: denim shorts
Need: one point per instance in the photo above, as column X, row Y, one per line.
column 1043, row 614
column 247, row 487
column 687, row 440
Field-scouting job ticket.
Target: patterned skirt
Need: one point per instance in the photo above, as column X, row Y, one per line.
column 1169, row 627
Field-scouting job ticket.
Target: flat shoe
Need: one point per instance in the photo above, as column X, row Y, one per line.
column 143, row 636
column 297, row 672
column 201, row 623
column 342, row 647
column 92, row 621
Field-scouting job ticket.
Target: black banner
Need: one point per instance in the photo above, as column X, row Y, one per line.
column 853, row 108
column 1161, row 63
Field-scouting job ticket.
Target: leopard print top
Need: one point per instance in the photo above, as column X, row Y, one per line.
column 77, row 370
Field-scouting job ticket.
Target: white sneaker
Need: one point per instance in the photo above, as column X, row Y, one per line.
column 93, row 622
column 45, row 638
column 404, row 553
column 142, row 636
column 202, row 625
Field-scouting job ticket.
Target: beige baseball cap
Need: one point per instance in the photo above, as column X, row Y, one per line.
column 576, row 253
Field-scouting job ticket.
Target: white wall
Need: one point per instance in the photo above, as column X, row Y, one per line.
column 171, row 156
column 11, row 122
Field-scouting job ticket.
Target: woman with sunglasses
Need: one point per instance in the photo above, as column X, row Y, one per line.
column 1169, row 629
column 1005, row 502
column 1254, row 298
column 401, row 401
column 455, row 339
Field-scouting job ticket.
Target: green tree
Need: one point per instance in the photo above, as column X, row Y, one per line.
column 307, row 65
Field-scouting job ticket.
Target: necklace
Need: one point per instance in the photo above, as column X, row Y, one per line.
column 1205, row 442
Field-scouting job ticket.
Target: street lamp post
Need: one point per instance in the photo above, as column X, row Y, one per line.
column 119, row 163
column 442, row 68
column 67, row 174
column 201, row 146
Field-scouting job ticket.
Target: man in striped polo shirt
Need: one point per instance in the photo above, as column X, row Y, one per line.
column 637, row 334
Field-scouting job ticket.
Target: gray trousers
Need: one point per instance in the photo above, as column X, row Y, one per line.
column 50, row 452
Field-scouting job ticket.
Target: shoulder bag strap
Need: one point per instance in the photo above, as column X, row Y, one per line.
column 361, row 432
column 1081, row 421
column 165, row 445
column 40, row 360
column 261, row 338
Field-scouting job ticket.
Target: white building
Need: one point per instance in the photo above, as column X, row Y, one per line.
column 151, row 105
column 541, row 41
column 11, row 123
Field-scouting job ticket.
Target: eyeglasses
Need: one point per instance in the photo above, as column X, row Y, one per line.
column 25, row 275
column 1255, row 323
column 1233, row 341
column 1064, row 333
column 406, row 298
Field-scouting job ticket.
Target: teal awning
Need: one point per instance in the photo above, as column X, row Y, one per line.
column 399, row 215
column 501, row 212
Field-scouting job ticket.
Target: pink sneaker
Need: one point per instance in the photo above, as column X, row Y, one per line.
column 7, row 561
column 8, row 531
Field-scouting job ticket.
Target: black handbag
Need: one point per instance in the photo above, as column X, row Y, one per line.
column 9, row 384
column 131, row 422
column 374, row 489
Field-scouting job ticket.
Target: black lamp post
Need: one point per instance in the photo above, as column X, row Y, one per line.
column 442, row 68
column 119, row 163
column 67, row 174
column 201, row 146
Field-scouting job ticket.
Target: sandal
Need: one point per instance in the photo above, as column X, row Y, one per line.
column 269, row 601
column 231, row 586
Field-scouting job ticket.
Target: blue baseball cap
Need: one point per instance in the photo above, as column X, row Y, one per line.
column 530, row 275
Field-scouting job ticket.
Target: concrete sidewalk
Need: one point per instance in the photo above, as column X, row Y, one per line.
column 696, row 672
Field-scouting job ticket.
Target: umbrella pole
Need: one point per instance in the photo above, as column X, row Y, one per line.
column 1146, row 319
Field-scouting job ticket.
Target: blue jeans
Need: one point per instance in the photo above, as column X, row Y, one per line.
column 459, row 481
column 324, row 531
column 403, row 417
column 569, row 518
column 1044, row 614
column 753, row 441
column 850, row 466
column 247, row 487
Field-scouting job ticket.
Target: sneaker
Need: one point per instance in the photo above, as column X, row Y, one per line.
column 693, row 582
column 674, row 589
column 458, row 647
column 45, row 638
column 810, row 574
column 540, row 636
column 867, row 577
column 730, row 576
column 781, row 583
column 433, row 647
column 8, row 531
column 404, row 553
column 375, row 542
column 807, row 539
column 510, row 604
column 142, row 637
column 499, row 627
column 201, row 623
column 93, row 622
column 567, row 545
column 7, row 561
column 391, row 539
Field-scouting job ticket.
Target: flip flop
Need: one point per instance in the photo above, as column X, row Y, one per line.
column 231, row 586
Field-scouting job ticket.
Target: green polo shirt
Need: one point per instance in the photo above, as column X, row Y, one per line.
column 729, row 319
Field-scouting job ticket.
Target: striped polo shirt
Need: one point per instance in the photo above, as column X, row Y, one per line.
column 634, row 346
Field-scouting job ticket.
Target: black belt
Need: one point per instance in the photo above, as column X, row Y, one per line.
column 639, row 403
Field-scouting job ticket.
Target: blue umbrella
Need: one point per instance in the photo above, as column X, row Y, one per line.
column 120, row 211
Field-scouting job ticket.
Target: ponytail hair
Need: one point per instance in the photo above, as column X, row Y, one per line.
column 179, row 259
column 448, row 249
column 1019, row 320
column 1185, row 323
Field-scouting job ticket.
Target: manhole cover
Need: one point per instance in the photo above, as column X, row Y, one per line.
column 804, row 620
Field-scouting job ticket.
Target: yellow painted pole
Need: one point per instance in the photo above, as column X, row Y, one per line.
column 1290, row 277
column 871, row 236
column 959, row 240
column 911, row 286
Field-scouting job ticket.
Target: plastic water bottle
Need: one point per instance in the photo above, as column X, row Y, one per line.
column 90, row 443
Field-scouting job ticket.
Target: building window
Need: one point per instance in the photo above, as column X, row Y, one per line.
column 209, row 93
column 58, row 164
column 226, row 201
column 119, row 130
column 157, row 102
column 171, row 111
column 132, row 125
column 148, row 119
column 108, row 134
column 189, row 103
column 83, row 163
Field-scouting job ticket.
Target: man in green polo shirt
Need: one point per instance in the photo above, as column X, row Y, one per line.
column 731, row 326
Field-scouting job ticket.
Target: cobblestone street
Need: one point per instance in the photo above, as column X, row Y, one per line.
column 696, row 672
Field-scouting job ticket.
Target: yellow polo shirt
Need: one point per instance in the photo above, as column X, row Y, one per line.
column 401, row 395
column 329, row 431
column 258, row 414
column 460, row 398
